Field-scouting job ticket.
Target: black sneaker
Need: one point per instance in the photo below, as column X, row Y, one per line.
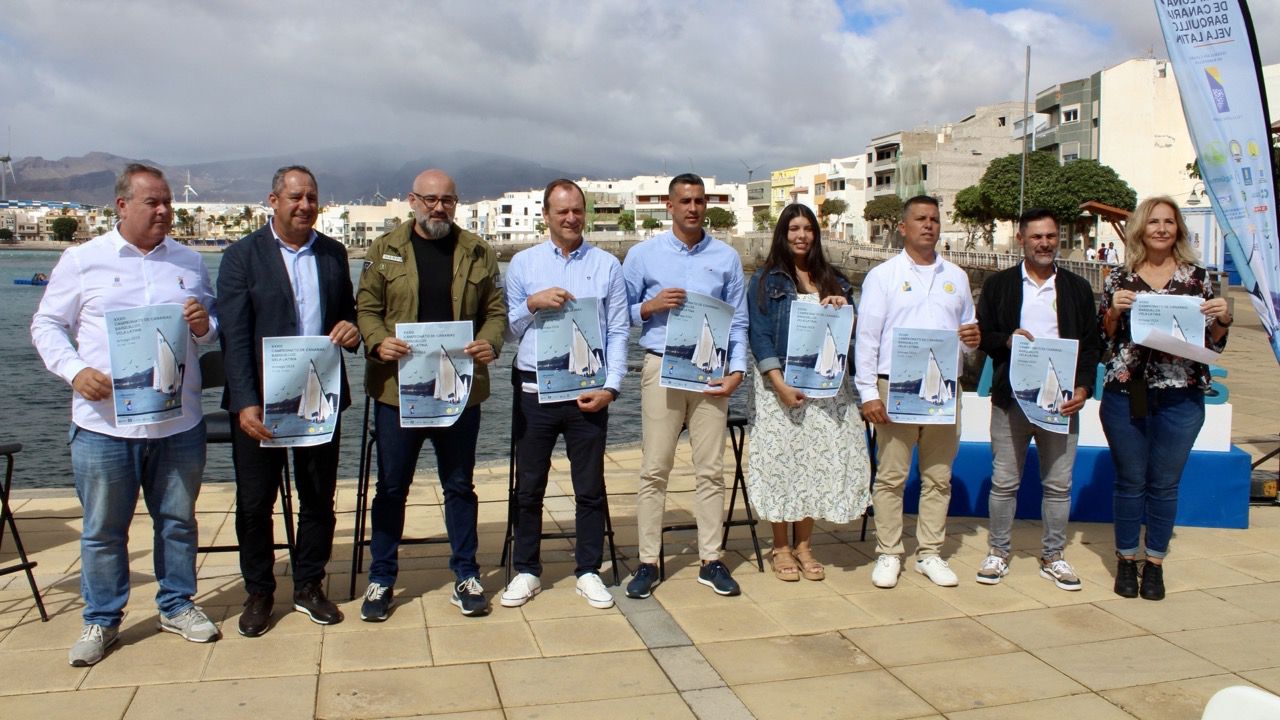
column 716, row 576
column 377, row 603
column 468, row 595
column 643, row 582
column 1126, row 577
column 310, row 599
column 1152, row 581
column 256, row 618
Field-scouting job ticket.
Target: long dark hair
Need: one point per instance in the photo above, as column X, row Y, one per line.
column 824, row 276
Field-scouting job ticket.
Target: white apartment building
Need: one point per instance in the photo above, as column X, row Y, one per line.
column 518, row 218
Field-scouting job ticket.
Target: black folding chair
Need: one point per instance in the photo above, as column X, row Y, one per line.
column 218, row 432
column 737, row 426
column 509, row 539
column 8, row 450
column 871, row 451
column 368, row 440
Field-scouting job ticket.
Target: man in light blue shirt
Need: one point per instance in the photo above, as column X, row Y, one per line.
column 544, row 278
column 659, row 273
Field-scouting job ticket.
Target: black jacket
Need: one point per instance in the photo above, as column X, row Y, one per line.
column 1000, row 313
column 255, row 300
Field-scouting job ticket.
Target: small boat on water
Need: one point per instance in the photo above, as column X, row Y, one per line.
column 39, row 279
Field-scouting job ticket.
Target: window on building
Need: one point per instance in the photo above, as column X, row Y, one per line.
column 924, row 172
column 1071, row 114
column 506, row 209
column 1068, row 157
column 1001, row 121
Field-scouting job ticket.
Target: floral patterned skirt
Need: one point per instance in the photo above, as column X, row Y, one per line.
column 807, row 462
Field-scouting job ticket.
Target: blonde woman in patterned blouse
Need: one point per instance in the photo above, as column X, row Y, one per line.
column 1153, row 402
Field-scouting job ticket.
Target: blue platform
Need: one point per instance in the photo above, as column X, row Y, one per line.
column 1214, row 491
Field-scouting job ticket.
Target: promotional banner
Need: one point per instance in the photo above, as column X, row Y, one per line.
column 697, row 350
column 148, row 351
column 817, row 348
column 435, row 377
column 923, row 376
column 570, row 350
column 1177, row 316
column 301, row 390
column 1213, row 50
column 1042, row 375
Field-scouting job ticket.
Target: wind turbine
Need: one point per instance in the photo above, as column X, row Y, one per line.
column 187, row 190
column 378, row 197
column 6, row 166
column 749, row 169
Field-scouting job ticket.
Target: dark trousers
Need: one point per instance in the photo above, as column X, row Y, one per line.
column 537, row 431
column 398, row 450
column 258, row 472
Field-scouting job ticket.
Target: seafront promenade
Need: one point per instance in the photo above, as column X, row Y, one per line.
column 833, row 649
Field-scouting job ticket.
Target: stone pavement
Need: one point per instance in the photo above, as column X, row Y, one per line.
column 833, row 649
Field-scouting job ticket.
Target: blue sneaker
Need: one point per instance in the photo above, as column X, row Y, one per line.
column 716, row 576
column 377, row 603
column 643, row 582
column 468, row 595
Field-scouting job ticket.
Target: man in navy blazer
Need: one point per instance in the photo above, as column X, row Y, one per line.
column 283, row 279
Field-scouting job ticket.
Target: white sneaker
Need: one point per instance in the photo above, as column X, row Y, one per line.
column 887, row 569
column 591, row 587
column 937, row 570
column 521, row 590
column 993, row 568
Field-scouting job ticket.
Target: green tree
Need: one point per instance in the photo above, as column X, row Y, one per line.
column 627, row 221
column 721, row 219
column 184, row 220
column 540, row 228
column 764, row 220
column 64, row 228
column 999, row 184
column 651, row 223
column 6, row 235
column 1083, row 181
column 972, row 212
column 884, row 210
column 833, row 207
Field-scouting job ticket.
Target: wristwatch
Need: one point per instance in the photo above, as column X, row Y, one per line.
column 1224, row 324
column 612, row 392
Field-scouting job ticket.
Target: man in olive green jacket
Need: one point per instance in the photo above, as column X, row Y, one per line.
column 429, row 270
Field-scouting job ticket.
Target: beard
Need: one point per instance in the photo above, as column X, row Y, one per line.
column 433, row 229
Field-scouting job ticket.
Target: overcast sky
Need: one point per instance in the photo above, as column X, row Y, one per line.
column 573, row 84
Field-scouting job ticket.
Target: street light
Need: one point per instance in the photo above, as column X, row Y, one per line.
column 1194, row 199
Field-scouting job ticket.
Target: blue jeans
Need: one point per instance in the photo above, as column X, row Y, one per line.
column 398, row 450
column 1149, row 454
column 109, row 472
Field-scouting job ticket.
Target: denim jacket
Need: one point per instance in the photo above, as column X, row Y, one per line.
column 768, row 330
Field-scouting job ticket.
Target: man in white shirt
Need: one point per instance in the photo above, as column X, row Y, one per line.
column 915, row 289
column 134, row 265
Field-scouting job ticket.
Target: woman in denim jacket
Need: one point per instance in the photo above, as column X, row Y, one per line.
column 808, row 455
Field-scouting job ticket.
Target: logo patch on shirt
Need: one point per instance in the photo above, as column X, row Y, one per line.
column 393, row 258
column 115, row 281
column 906, row 286
column 367, row 264
column 949, row 287
column 182, row 283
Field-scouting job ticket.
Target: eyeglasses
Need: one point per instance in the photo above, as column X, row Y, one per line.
column 446, row 201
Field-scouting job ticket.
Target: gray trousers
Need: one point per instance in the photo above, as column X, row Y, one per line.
column 1011, row 434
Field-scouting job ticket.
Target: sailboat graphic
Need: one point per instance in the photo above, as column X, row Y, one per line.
column 314, row 405
column 828, row 358
column 583, row 359
column 166, row 376
column 449, row 384
column 933, row 389
column 1050, row 397
column 1177, row 332
column 706, row 356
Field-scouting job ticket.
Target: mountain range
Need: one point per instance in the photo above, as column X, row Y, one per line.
column 346, row 175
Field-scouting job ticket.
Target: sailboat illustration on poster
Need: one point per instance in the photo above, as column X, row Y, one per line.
column 1042, row 379
column 933, row 388
column 450, row 385
column 706, row 354
column 827, row 364
column 1049, row 398
column 583, row 359
column 165, row 377
column 314, row 405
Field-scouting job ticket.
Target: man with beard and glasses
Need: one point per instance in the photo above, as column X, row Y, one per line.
column 429, row 270
column 283, row 279
column 1035, row 299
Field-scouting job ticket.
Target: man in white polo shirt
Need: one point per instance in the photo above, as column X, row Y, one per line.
column 1035, row 299
column 137, row 264
column 915, row 289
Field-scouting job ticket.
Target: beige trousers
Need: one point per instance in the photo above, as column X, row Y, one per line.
column 936, row 447
column 665, row 412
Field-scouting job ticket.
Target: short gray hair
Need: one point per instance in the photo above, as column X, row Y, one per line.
column 277, row 180
column 124, row 183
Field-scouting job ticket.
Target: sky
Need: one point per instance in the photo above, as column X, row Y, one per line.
column 644, row 84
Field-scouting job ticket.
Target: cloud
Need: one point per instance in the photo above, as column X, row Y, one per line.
column 611, row 84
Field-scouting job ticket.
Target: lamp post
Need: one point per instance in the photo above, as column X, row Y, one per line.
column 1194, row 199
